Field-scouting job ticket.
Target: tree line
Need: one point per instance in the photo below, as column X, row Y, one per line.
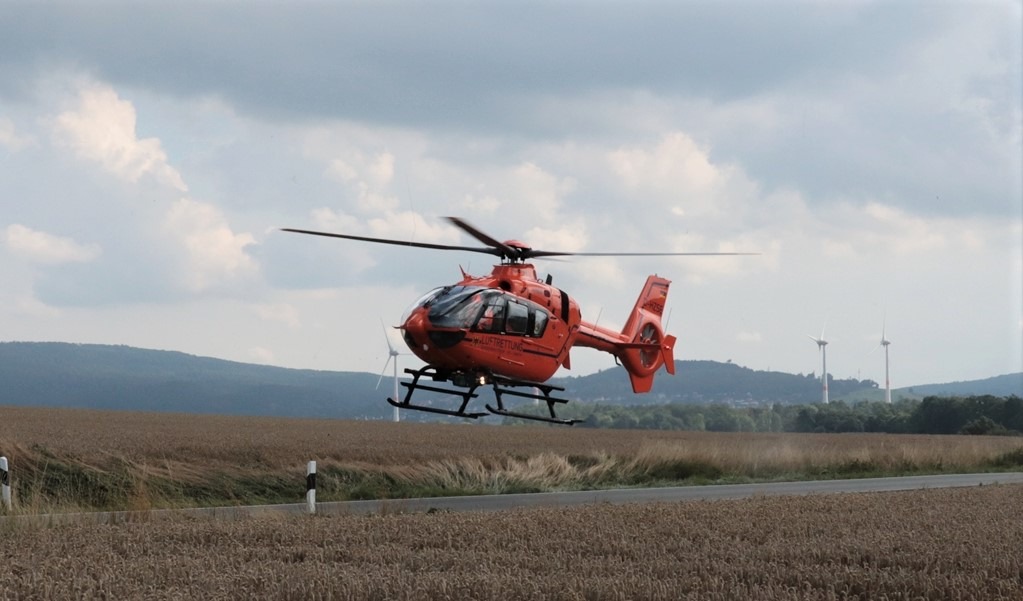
column 985, row 414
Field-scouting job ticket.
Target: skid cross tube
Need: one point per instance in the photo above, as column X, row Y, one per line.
column 499, row 390
column 406, row 403
column 501, row 386
column 537, row 418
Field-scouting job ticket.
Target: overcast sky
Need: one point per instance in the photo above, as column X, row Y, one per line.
column 870, row 151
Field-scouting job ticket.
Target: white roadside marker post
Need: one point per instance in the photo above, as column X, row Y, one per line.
column 310, row 487
column 5, row 483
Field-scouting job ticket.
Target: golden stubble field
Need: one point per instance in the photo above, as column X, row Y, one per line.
column 81, row 459
column 929, row 544
column 942, row 544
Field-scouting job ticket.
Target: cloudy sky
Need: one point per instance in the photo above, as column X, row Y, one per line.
column 870, row 151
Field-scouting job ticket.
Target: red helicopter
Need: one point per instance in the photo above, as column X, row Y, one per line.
column 512, row 331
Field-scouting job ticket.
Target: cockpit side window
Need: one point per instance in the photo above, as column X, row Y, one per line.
column 539, row 323
column 492, row 317
column 518, row 318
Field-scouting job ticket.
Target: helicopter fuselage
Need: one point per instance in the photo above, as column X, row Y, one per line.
column 506, row 324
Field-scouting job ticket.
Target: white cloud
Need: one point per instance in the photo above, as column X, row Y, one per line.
column 328, row 219
column 745, row 336
column 876, row 226
column 517, row 195
column 536, row 192
column 604, row 273
column 367, row 176
column 677, row 159
column 281, row 312
column 830, row 163
column 680, row 175
column 216, row 254
column 102, row 128
column 396, row 225
column 380, row 171
column 407, row 225
column 10, row 138
column 567, row 238
column 42, row 247
column 486, row 204
column 259, row 354
column 31, row 307
column 342, row 171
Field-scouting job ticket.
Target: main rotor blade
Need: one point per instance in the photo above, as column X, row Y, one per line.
column 501, row 247
column 529, row 253
column 475, row 249
column 551, row 253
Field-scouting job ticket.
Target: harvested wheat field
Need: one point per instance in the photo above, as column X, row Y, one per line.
column 268, row 440
column 68, row 460
column 928, row 544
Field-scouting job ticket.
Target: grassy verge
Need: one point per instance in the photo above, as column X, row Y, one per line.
column 47, row 481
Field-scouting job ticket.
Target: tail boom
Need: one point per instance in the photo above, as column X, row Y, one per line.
column 642, row 346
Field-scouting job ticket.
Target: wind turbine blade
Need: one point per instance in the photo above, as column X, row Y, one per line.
column 386, row 363
column 390, row 349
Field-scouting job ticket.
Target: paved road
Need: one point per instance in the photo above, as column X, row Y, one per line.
column 504, row 502
column 671, row 494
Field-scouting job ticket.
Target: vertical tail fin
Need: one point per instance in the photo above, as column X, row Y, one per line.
column 648, row 347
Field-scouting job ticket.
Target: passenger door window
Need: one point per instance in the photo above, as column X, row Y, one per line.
column 518, row 318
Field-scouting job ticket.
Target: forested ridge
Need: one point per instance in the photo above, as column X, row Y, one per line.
column 120, row 377
column 985, row 414
column 702, row 395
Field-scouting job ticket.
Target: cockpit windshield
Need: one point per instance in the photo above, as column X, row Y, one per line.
column 459, row 306
column 423, row 301
column 482, row 309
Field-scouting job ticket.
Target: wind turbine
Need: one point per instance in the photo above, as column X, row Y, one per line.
column 887, row 381
column 391, row 354
column 822, row 344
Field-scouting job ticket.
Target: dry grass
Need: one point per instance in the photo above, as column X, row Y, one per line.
column 930, row 544
column 156, row 437
column 71, row 459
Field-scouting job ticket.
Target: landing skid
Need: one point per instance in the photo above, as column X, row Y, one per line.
column 406, row 403
column 501, row 386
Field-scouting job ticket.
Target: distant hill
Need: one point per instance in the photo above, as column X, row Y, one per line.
column 1003, row 385
column 119, row 377
column 710, row 382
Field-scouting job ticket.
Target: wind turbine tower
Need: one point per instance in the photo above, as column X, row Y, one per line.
column 822, row 345
column 392, row 354
column 887, row 380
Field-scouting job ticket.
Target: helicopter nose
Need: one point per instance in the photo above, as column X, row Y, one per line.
column 414, row 331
